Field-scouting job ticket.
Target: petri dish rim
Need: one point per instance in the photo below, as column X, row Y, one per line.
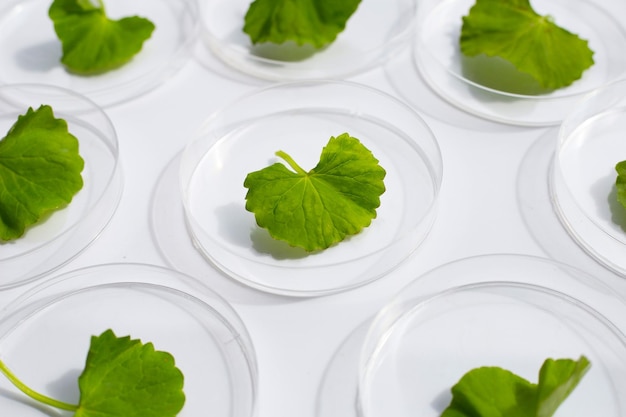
column 119, row 88
column 416, row 296
column 157, row 281
column 113, row 184
column 566, row 97
column 603, row 102
column 277, row 70
column 434, row 167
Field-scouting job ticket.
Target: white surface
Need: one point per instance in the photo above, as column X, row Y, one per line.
column 494, row 199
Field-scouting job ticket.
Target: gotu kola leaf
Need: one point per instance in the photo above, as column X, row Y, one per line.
column 125, row 378
column 316, row 209
column 92, row 43
column 534, row 44
column 496, row 392
column 122, row 378
column 40, row 170
column 314, row 22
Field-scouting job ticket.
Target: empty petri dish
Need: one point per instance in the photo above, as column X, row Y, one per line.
column 45, row 335
column 491, row 87
column 64, row 234
column 509, row 311
column 30, row 51
column 299, row 118
column 374, row 32
column 582, row 181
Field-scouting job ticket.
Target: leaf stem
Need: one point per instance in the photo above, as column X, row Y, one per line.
column 33, row 394
column 291, row 162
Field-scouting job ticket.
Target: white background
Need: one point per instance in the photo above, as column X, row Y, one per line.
column 493, row 200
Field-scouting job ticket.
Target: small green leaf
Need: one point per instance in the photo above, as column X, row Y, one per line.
column 512, row 30
column 620, row 182
column 92, row 43
column 316, row 209
column 125, row 378
column 491, row 391
column 557, row 379
column 40, row 170
column 496, row 392
column 315, row 22
column 122, row 378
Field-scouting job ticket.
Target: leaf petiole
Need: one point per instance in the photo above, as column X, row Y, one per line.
column 33, row 394
column 291, row 162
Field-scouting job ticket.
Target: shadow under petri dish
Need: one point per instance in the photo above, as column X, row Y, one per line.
column 41, row 57
column 237, row 229
column 499, row 74
column 20, row 398
column 65, row 386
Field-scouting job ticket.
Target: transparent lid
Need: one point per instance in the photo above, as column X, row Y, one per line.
column 491, row 87
column 208, row 340
column 511, row 311
column 65, row 233
column 30, row 51
column 299, row 118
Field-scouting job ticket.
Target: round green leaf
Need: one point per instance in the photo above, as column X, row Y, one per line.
column 534, row 44
column 316, row 209
column 315, row 22
column 92, row 43
column 125, row 378
column 40, row 170
column 496, row 392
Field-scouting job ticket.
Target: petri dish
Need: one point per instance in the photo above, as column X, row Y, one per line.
column 30, row 51
column 374, row 32
column 208, row 340
column 299, row 118
column 582, row 178
column 63, row 235
column 510, row 311
column 490, row 87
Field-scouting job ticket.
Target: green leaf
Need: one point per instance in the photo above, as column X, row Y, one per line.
column 92, row 43
column 491, row 392
column 40, row 170
column 315, row 22
column 125, row 378
column 512, row 30
column 557, row 379
column 122, row 378
column 316, row 209
column 496, row 392
column 620, row 182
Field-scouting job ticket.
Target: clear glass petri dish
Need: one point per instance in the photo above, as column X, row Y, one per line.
column 511, row 311
column 504, row 94
column 30, row 51
column 582, row 179
column 63, row 235
column 299, row 118
column 207, row 338
column 373, row 33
